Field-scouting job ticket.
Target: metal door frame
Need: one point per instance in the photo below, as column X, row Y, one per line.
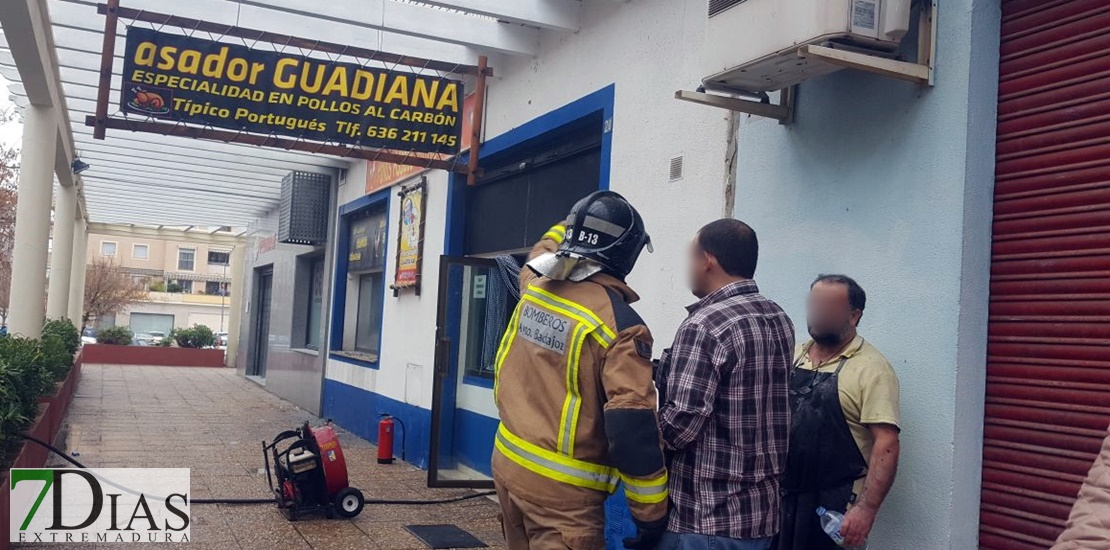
column 446, row 370
column 256, row 364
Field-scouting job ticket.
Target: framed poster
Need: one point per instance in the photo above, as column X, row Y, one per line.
column 367, row 248
column 410, row 238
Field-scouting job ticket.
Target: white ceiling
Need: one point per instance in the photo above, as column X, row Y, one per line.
column 145, row 178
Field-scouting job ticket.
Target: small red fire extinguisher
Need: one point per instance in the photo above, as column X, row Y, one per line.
column 385, row 439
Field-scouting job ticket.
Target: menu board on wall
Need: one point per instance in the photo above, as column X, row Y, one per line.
column 367, row 244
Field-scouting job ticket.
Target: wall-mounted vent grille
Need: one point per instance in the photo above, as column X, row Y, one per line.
column 676, row 168
column 303, row 216
column 718, row 6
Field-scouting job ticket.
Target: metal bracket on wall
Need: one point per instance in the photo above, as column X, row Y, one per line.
column 919, row 72
column 783, row 111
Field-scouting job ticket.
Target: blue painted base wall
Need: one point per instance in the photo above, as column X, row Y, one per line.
column 357, row 411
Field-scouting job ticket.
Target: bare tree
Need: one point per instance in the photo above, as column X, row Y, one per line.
column 9, row 175
column 108, row 290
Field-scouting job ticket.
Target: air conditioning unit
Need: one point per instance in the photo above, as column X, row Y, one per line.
column 752, row 45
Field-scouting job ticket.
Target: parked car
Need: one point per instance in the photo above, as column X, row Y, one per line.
column 148, row 338
column 221, row 339
column 88, row 336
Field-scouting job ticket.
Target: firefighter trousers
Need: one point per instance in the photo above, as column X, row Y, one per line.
column 529, row 526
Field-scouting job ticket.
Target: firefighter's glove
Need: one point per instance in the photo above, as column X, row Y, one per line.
column 647, row 534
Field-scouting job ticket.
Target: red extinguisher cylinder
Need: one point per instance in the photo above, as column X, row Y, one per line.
column 385, row 440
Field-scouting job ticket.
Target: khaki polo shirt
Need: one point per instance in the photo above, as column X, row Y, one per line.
column 868, row 390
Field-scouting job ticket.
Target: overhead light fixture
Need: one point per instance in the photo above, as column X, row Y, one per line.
column 79, row 166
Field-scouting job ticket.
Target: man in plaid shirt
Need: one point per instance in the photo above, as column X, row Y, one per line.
column 725, row 409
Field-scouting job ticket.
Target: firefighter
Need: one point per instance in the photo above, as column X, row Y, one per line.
column 574, row 389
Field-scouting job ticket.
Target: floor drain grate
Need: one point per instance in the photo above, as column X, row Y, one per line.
column 444, row 536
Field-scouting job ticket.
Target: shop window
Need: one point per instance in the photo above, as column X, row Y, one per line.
column 108, row 248
column 219, row 258
column 357, row 330
column 487, row 305
column 368, row 332
column 308, row 306
column 186, row 259
column 315, row 304
column 140, row 252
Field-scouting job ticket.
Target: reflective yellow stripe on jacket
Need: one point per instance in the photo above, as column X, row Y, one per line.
column 553, row 465
column 587, row 324
column 646, row 491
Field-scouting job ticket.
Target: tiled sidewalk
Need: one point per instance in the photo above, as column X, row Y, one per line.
column 212, row 421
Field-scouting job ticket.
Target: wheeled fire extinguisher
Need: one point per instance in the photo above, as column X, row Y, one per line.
column 385, row 439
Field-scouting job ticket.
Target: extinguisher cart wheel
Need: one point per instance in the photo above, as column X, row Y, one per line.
column 349, row 502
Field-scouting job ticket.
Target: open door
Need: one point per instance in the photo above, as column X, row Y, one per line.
column 474, row 307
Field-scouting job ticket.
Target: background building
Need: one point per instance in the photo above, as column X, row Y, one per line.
column 187, row 277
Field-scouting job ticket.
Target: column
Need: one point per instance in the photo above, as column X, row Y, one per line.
column 32, row 222
column 77, row 274
column 61, row 260
column 235, row 310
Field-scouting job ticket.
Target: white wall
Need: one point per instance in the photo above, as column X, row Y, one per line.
column 408, row 321
column 648, row 49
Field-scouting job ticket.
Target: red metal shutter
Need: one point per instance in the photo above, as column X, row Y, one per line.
column 1048, row 369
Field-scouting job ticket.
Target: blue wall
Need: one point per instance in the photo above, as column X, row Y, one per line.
column 358, row 412
column 891, row 183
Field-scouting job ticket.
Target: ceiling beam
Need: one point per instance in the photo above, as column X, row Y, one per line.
column 124, row 158
column 300, row 160
column 139, row 205
column 124, row 145
column 296, row 18
column 305, row 161
column 27, row 46
column 411, row 20
column 30, row 49
column 559, row 15
column 114, row 217
column 126, row 213
column 158, row 189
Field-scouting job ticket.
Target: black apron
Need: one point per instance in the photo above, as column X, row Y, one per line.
column 823, row 461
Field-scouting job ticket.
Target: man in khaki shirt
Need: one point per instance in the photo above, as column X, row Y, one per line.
column 844, row 443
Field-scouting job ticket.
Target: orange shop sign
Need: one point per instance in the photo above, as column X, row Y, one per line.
column 380, row 175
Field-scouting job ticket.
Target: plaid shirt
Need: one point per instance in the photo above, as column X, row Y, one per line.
column 726, row 413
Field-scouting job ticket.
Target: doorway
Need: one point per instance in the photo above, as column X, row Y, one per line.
column 260, row 323
column 525, row 189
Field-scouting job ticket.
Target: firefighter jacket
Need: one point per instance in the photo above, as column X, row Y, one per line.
column 574, row 389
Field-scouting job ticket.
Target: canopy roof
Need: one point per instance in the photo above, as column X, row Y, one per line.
column 53, row 58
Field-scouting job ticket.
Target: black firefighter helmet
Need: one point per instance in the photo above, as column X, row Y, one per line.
column 605, row 228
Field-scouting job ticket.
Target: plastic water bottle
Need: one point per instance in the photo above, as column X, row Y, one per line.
column 830, row 524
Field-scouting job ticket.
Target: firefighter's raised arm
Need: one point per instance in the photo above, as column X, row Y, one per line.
column 548, row 243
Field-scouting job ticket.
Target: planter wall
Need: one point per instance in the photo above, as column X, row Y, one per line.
column 152, row 355
column 47, row 426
